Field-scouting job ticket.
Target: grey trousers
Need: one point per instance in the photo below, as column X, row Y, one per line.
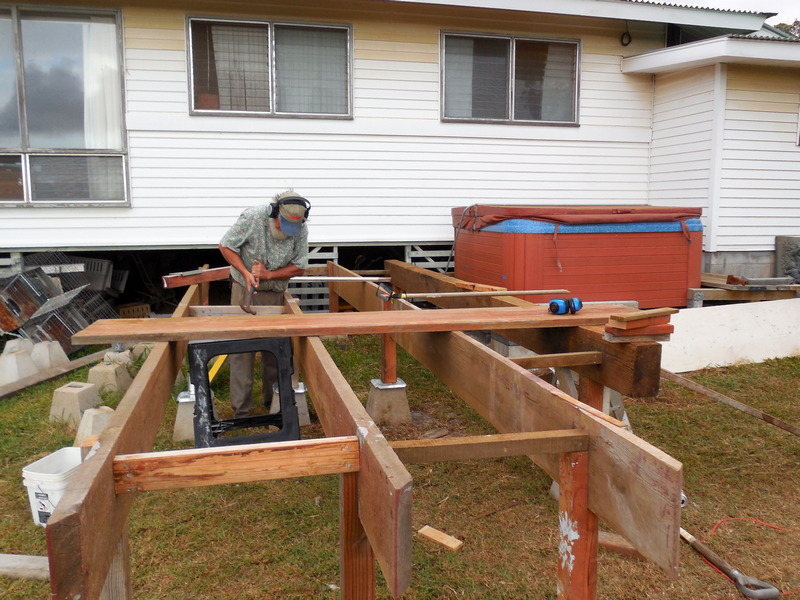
column 241, row 384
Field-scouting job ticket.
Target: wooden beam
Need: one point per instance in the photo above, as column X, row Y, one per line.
column 384, row 484
column 491, row 446
column 631, row 369
column 567, row 359
column 51, row 373
column 634, row 486
column 291, row 325
column 80, row 552
column 186, row 278
column 222, row 311
column 201, row 467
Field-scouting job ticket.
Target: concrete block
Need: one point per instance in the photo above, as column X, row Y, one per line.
column 48, row 354
column 15, row 365
column 70, row 401
column 387, row 403
column 787, row 256
column 122, row 357
column 110, row 377
column 15, row 344
column 93, row 423
column 141, row 349
column 300, row 401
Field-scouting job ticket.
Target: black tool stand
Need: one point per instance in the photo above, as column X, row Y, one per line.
column 208, row 430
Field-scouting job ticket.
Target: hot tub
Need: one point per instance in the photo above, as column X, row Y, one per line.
column 649, row 254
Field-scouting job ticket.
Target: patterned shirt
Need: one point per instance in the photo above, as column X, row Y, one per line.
column 250, row 238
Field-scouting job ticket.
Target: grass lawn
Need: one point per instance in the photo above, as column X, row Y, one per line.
column 279, row 539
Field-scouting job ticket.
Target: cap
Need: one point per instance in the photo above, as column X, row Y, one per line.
column 291, row 218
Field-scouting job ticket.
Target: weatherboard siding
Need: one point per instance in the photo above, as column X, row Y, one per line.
column 680, row 162
column 390, row 174
column 760, row 186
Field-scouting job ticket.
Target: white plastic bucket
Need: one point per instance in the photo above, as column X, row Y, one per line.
column 46, row 480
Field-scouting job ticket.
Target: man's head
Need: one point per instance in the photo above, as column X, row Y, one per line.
column 291, row 211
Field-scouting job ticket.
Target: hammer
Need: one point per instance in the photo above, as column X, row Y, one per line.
column 247, row 300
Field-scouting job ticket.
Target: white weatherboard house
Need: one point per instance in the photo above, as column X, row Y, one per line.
column 147, row 125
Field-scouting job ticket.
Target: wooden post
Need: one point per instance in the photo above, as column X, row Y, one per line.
column 333, row 297
column 389, row 354
column 591, row 393
column 577, row 547
column 357, row 561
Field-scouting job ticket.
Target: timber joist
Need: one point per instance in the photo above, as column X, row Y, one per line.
column 633, row 486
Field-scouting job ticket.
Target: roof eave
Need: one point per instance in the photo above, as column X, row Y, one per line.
column 620, row 9
column 776, row 53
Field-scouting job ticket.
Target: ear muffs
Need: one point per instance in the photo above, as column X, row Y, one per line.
column 275, row 207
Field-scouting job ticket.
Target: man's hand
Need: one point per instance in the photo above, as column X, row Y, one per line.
column 261, row 272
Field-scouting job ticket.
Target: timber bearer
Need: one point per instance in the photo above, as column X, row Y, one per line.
column 267, row 246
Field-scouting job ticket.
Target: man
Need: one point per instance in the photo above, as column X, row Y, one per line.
column 267, row 246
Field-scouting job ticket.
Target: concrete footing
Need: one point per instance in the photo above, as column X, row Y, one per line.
column 15, row 365
column 300, row 401
column 93, row 423
column 387, row 403
column 183, row 430
column 48, row 354
column 110, row 377
column 72, row 400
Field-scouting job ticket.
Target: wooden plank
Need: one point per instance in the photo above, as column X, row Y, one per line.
column 202, row 467
column 292, row 325
column 48, row 374
column 631, row 369
column 440, row 537
column 634, row 486
column 221, row 311
column 23, row 566
column 567, row 359
column 613, row 542
column 612, row 322
column 644, row 314
column 651, row 330
column 79, row 551
column 384, row 484
column 709, row 393
column 490, row 446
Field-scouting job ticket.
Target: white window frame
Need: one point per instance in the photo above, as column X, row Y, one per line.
column 511, row 39
column 270, row 28
column 26, row 152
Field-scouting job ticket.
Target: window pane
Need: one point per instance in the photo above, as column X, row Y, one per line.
column 230, row 65
column 311, row 70
column 11, row 178
column 544, row 81
column 9, row 113
column 72, row 85
column 476, row 78
column 77, row 178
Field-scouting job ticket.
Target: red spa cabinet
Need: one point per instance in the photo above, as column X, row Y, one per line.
column 650, row 254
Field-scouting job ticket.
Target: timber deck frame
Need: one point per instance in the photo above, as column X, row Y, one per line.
column 632, row 485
